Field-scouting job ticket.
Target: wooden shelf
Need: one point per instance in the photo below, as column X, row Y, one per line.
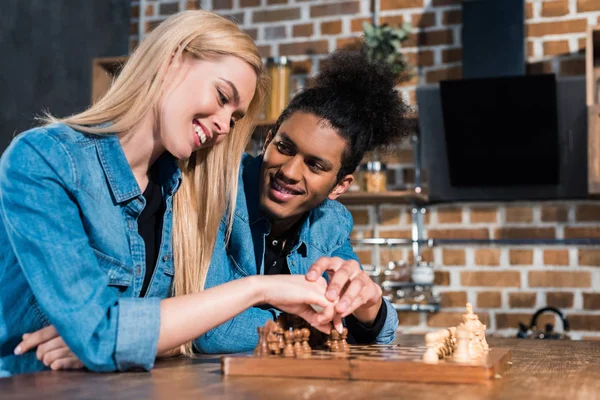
column 392, row 197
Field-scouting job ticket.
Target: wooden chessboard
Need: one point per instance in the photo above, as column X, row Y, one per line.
column 371, row 362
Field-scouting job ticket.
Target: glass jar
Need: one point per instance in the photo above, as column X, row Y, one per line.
column 375, row 177
column 279, row 71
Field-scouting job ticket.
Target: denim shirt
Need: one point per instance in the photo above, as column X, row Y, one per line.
column 324, row 233
column 71, row 253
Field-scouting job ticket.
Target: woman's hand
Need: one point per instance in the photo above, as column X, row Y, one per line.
column 295, row 295
column 51, row 349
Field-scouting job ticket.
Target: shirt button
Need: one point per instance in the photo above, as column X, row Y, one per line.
column 274, row 242
column 165, row 258
column 274, row 263
column 293, row 262
column 139, row 270
column 130, row 224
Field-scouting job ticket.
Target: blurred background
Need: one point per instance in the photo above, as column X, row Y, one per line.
column 491, row 201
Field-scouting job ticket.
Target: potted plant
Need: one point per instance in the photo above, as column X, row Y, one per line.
column 384, row 43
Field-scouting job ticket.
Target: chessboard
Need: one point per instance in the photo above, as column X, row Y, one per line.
column 370, row 362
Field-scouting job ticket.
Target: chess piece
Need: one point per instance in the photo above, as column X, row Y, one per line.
column 288, row 351
column 298, row 350
column 431, row 355
column 262, row 349
column 344, row 343
column 461, row 354
column 335, row 341
column 305, row 337
column 484, row 342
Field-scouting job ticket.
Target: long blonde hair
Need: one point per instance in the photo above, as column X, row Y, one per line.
column 210, row 176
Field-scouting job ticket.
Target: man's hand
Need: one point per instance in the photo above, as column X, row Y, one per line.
column 51, row 349
column 356, row 293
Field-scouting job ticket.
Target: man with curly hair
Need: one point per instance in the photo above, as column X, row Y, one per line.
column 287, row 219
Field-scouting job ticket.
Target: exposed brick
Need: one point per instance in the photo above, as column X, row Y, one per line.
column 519, row 214
column 555, row 8
column 356, row 25
column 302, row 30
column 313, row 47
column 524, row 233
column 438, row 75
column 560, row 299
column 528, row 10
column 589, row 257
column 442, row 278
column 591, row 301
column 351, row 7
column 389, row 216
column 168, row 8
column 555, row 213
column 491, row 278
column 475, row 233
column 150, row 25
column 252, row 32
column 556, row 47
column 504, row 321
column 453, row 257
column 133, row 28
column 484, row 214
column 150, row 10
column 572, row 67
column 331, row 27
column 361, row 234
column 264, row 51
column 556, row 28
column 360, row 217
column 274, row 32
column 424, row 20
column 396, row 4
column 429, row 38
column 400, row 234
column 271, row 2
column 582, row 232
column 587, row 213
column 452, row 17
column 249, row 3
column 559, row 279
column 556, row 257
column 588, row 5
column 222, row 4
column 192, row 5
column 530, row 49
column 406, row 318
column 453, row 299
column 487, row 257
column 393, row 20
column 581, row 45
column 364, row 256
column 520, row 257
column 426, row 255
column 135, row 12
column 449, row 215
column 540, row 67
column 391, row 254
column 452, row 55
column 445, row 319
column 581, row 322
column 522, row 300
column 237, row 18
column 422, row 58
column 349, row 43
column 285, row 14
column 489, row 299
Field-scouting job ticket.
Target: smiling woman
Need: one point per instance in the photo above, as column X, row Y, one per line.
column 106, row 213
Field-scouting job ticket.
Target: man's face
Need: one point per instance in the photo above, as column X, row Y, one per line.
column 300, row 167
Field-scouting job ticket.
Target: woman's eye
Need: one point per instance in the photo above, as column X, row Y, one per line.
column 222, row 98
column 231, row 124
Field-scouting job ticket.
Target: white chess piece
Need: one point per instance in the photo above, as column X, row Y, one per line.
column 461, row 354
column 431, row 354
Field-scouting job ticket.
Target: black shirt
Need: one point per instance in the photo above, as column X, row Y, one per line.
column 276, row 251
column 150, row 225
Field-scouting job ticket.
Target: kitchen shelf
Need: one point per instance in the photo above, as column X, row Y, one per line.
column 433, row 307
column 391, row 197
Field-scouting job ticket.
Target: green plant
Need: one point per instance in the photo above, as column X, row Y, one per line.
column 384, row 43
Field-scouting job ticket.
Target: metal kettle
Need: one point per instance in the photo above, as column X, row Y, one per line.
column 532, row 331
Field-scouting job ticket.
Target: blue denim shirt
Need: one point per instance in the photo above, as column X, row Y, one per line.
column 325, row 232
column 71, row 253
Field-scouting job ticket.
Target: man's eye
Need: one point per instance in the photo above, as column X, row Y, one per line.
column 315, row 166
column 283, row 148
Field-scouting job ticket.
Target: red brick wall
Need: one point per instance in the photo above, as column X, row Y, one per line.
column 505, row 284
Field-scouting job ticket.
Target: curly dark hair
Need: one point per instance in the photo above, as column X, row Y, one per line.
column 357, row 98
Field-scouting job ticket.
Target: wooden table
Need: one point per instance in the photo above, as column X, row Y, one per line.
column 542, row 369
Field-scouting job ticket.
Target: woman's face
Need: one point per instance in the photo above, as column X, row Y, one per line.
column 202, row 101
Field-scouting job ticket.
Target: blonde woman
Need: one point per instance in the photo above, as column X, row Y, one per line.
column 100, row 222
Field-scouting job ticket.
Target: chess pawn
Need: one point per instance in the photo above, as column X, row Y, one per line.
column 280, row 339
column 288, row 351
column 335, row 341
column 298, row 350
column 305, row 338
column 461, row 355
column 344, row 343
column 431, row 355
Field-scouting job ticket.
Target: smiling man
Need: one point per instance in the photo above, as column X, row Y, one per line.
column 287, row 219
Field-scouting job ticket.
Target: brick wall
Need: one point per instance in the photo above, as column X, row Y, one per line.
column 505, row 284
